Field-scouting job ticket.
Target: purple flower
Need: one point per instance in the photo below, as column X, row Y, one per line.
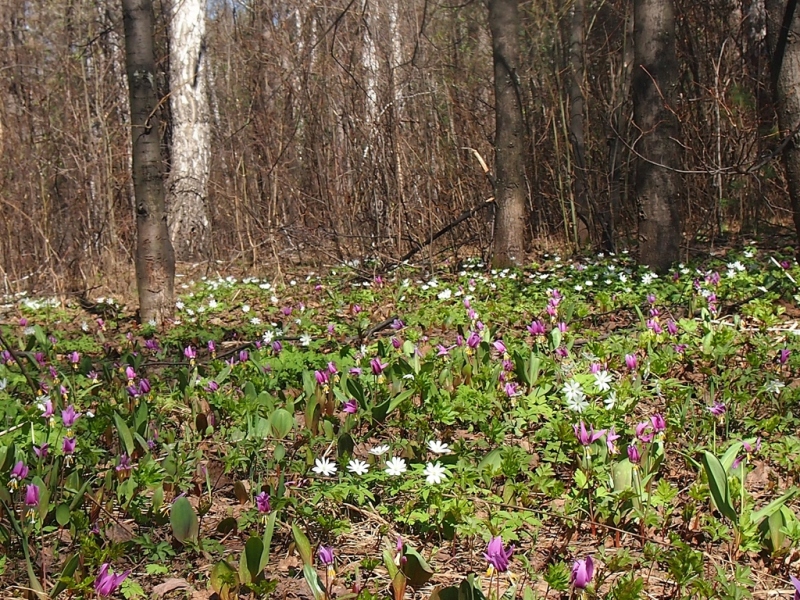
column 644, row 431
column 130, row 373
column 262, row 502
column 144, row 386
column 355, row 371
column 107, row 583
column 32, row 495
column 41, row 451
column 474, row 340
column 561, row 326
column 633, row 454
column 749, row 448
column 631, row 362
column 536, row 328
column 377, row 366
column 6, row 357
column 212, row 347
column 190, row 353
column 397, row 324
column 654, row 326
column 74, row 358
column 124, row 463
column 321, row 377
column 93, row 376
column 23, row 322
column 151, row 345
column 443, row 351
column 332, row 368
column 69, row 416
column 718, row 409
column 243, row 356
column 396, row 343
column 325, row 554
column 511, row 389
column 651, row 298
column 277, row 347
column 47, row 408
column 212, row 386
column 658, row 422
column 497, row 556
column 500, row 346
column 68, row 445
column 796, row 583
column 587, row 438
column 582, row 572
column 672, row 327
column 19, row 471
column 612, row 437
column 783, row 356
column 350, row 407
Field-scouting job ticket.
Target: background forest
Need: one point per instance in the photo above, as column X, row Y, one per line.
column 352, row 129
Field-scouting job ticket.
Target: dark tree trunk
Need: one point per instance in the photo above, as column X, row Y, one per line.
column 783, row 34
column 155, row 259
column 576, row 125
column 658, row 185
column 509, row 189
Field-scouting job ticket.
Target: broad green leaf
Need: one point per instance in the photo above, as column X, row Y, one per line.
column 416, row 569
column 184, row 522
column 718, row 484
column 224, row 580
column 775, row 505
column 249, row 564
column 622, row 475
column 730, row 455
column 124, row 434
column 492, row 462
column 69, row 570
column 281, row 422
column 62, row 514
column 312, row 579
column 267, row 540
column 398, row 400
column 303, row 545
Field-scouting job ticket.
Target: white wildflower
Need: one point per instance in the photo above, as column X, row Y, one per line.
column 396, row 466
column 434, row 473
column 438, row 447
column 602, row 381
column 379, row 450
column 324, row 467
column 359, row 467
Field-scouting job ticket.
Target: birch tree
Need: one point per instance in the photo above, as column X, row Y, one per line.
column 187, row 185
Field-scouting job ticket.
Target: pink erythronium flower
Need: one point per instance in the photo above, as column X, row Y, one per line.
column 69, row 415
column 262, row 502
column 633, row 454
column 106, row 582
column 582, row 572
column 587, row 438
column 32, row 496
column 350, row 407
column 631, row 362
column 796, row 583
column 611, row 437
column 497, row 556
column 377, row 366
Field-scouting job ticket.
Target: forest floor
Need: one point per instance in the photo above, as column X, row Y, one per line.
column 584, row 410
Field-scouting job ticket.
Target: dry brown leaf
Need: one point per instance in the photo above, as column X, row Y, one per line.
column 173, row 583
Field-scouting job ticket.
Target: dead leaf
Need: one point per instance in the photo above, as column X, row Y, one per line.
column 173, row 583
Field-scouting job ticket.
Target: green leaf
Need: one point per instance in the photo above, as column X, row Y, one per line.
column 184, row 522
column 622, row 475
column 491, row 462
column 398, row 400
column 718, row 484
column 416, row 569
column 250, row 561
column 303, row 545
column 730, row 455
column 772, row 507
column 267, row 540
column 282, row 422
column 124, row 434
column 69, row 570
column 62, row 514
column 224, row 580
column 312, row 579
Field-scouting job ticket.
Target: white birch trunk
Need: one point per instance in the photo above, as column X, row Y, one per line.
column 187, row 185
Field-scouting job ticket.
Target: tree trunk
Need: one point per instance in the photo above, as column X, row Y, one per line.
column 187, row 185
column 155, row 259
column 658, row 186
column 783, row 34
column 576, row 125
column 509, row 189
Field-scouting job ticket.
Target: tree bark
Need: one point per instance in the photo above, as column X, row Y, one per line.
column 783, row 35
column 187, row 184
column 658, row 185
column 155, row 259
column 509, row 233
column 576, row 124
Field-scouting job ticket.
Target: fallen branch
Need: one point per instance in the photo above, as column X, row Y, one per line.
column 432, row 238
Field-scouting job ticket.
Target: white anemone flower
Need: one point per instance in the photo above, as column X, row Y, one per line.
column 358, row 467
column 438, row 447
column 434, row 473
column 396, row 466
column 602, row 380
column 324, row 467
column 379, row 450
